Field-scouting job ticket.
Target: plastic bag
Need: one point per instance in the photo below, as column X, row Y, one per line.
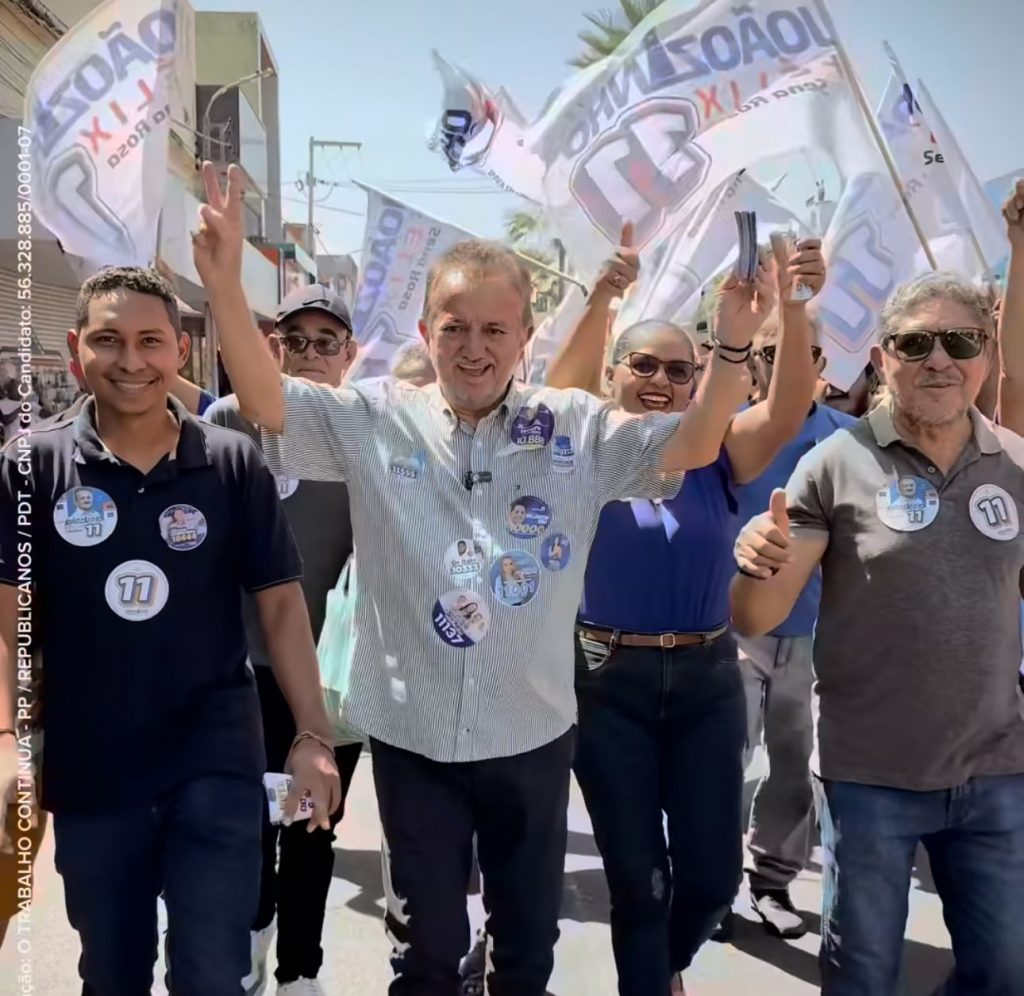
column 334, row 651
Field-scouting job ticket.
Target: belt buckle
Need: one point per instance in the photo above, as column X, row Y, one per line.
column 667, row 636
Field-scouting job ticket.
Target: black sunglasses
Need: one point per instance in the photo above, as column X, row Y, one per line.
column 917, row 344
column 645, row 365
column 327, row 346
column 768, row 354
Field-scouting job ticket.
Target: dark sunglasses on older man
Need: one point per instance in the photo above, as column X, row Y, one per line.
column 645, row 365
column 917, row 344
column 767, row 353
column 327, row 346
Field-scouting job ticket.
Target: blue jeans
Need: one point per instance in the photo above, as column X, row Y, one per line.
column 661, row 733
column 974, row 835
column 200, row 846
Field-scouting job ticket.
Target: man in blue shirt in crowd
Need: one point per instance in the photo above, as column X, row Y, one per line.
column 778, row 678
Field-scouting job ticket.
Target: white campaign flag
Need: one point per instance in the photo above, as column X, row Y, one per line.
column 984, row 220
column 399, row 247
column 670, row 282
column 929, row 186
column 552, row 334
column 98, row 113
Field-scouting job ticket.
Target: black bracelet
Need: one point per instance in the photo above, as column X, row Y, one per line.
column 718, row 344
column 747, row 574
column 13, row 733
column 740, row 362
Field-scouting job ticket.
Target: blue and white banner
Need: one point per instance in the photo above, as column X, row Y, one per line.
column 400, row 245
column 98, row 112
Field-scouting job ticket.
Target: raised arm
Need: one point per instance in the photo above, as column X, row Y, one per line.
column 217, row 250
column 742, row 308
column 757, row 434
column 580, row 362
column 1011, row 320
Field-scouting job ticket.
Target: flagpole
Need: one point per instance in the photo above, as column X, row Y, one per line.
column 851, row 77
column 970, row 228
column 536, row 263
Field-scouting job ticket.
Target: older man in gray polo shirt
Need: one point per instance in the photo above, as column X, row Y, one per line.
column 914, row 515
column 474, row 502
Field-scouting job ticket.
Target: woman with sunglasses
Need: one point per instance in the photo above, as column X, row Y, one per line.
column 662, row 715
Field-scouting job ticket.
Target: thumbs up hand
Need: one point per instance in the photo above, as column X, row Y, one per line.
column 763, row 546
column 621, row 271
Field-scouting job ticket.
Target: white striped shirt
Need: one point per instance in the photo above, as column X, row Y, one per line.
column 475, row 677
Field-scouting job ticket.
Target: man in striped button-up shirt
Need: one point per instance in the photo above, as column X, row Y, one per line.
column 474, row 503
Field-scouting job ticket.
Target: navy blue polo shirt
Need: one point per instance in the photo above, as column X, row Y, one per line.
column 665, row 567
column 138, row 583
column 754, row 498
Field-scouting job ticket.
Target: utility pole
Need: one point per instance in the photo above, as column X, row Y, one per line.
column 315, row 143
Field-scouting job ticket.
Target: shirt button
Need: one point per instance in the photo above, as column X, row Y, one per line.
column 141, row 490
column 932, row 470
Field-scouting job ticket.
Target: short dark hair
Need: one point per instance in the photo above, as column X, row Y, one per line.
column 133, row 278
column 480, row 257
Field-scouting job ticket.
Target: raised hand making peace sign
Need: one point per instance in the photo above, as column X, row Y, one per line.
column 217, row 246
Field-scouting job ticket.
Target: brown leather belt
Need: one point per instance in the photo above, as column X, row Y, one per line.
column 666, row 641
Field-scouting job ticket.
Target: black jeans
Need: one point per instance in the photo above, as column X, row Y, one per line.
column 663, row 732
column 295, row 886
column 517, row 807
column 200, row 846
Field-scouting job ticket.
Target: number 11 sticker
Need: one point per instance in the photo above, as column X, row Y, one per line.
column 137, row 590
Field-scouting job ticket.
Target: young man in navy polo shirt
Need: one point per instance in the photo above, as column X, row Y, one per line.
column 141, row 527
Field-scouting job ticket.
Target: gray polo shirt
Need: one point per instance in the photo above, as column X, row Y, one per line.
column 473, row 544
column 918, row 641
column 318, row 515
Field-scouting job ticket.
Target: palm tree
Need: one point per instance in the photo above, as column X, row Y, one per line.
column 522, row 226
column 612, row 29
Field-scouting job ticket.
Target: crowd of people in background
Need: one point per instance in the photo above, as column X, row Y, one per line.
column 670, row 553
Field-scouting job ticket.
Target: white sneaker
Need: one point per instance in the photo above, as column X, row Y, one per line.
column 259, row 944
column 301, row 987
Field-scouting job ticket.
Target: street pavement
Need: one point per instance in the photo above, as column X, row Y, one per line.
column 356, row 952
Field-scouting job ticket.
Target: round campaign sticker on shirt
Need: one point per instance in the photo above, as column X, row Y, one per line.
column 461, row 618
column 464, row 560
column 183, row 527
column 532, row 428
column 556, row 552
column 136, row 590
column 286, row 486
column 994, row 513
column 528, row 517
column 84, row 516
column 907, row 505
column 515, row 577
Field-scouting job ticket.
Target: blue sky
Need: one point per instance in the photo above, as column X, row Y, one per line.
column 362, row 72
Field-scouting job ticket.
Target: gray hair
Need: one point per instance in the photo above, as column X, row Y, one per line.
column 412, row 360
column 933, row 287
column 629, row 339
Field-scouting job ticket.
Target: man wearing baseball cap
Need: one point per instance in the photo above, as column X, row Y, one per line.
column 312, row 338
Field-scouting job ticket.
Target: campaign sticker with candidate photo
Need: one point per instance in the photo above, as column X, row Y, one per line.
column 555, row 552
column 409, row 466
column 84, row 516
column 532, row 428
column 528, row 517
column 994, row 513
column 286, row 486
column 136, row 590
column 563, row 455
column 183, row 527
column 908, row 504
column 461, row 618
column 464, row 560
column 515, row 578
